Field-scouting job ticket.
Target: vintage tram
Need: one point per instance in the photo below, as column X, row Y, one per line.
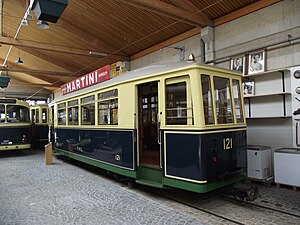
column 15, row 129
column 177, row 125
column 39, row 115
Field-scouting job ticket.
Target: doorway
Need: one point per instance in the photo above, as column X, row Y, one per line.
column 148, row 127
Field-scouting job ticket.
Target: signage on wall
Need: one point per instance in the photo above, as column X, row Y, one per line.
column 87, row 80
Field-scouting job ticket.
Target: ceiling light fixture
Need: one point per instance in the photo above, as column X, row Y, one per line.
column 191, row 58
column 43, row 25
column 19, row 60
column 97, row 53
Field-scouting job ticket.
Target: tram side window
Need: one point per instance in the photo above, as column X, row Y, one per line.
column 37, row 116
column 88, row 110
column 178, row 111
column 61, row 114
column 2, row 113
column 207, row 99
column 17, row 113
column 44, row 116
column 73, row 112
column 237, row 101
column 223, row 100
column 108, row 107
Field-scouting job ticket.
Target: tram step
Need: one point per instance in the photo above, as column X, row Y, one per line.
column 150, row 176
column 149, row 183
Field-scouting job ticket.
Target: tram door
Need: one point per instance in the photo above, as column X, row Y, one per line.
column 149, row 149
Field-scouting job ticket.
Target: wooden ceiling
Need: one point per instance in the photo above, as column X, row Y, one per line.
column 124, row 29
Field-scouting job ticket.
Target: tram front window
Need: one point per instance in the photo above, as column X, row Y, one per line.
column 237, row 101
column 207, row 99
column 17, row 113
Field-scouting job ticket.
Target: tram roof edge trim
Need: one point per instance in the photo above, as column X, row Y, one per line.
column 139, row 73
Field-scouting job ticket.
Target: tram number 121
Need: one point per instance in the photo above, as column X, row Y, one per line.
column 227, row 143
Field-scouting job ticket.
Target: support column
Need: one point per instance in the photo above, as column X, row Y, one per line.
column 207, row 35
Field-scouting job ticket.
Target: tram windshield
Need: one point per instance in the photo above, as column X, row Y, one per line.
column 17, row 114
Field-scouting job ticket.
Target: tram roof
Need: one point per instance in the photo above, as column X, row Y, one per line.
column 140, row 73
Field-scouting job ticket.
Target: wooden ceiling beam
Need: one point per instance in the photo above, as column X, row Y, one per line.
column 72, row 67
column 22, row 84
column 31, row 71
column 169, row 10
column 54, row 48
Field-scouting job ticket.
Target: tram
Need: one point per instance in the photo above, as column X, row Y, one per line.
column 39, row 115
column 177, row 125
column 14, row 124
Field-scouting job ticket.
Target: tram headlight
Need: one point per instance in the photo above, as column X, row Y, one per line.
column 24, row 139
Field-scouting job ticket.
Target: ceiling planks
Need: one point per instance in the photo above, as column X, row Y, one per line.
column 170, row 10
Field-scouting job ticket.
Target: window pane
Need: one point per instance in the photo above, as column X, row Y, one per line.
column 2, row 113
column 108, row 109
column 176, row 104
column 237, row 101
column 73, row 103
column 108, row 112
column 88, row 99
column 207, row 99
column 73, row 115
column 108, row 94
column 223, row 100
column 61, row 117
column 37, row 114
column 17, row 113
column 88, row 114
column 44, row 116
column 61, row 105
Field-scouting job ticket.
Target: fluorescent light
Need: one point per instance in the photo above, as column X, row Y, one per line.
column 97, row 53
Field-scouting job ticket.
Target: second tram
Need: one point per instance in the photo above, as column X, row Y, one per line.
column 15, row 129
column 178, row 126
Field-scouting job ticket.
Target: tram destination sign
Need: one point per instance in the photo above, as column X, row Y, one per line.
column 87, row 80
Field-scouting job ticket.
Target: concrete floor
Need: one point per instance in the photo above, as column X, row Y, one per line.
column 70, row 193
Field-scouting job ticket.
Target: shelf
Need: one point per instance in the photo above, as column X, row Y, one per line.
column 265, row 95
column 266, row 72
column 271, row 117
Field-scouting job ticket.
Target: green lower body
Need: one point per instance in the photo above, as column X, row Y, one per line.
column 152, row 176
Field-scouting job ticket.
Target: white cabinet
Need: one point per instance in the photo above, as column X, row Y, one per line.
column 259, row 162
column 287, row 166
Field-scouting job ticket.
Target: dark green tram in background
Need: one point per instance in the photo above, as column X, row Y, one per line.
column 15, row 129
column 178, row 125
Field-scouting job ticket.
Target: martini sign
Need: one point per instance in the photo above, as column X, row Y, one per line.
column 87, row 80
